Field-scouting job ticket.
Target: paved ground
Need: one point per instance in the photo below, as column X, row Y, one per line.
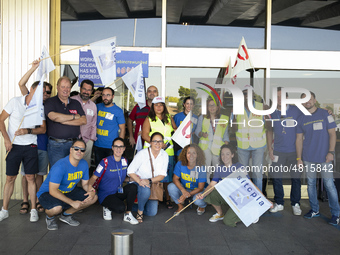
column 279, row 233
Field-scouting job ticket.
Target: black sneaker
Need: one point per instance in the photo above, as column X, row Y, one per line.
column 334, row 220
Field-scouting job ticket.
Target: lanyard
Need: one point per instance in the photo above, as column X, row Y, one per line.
column 121, row 172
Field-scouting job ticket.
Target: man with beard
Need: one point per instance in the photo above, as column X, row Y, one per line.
column 88, row 131
column 64, row 117
column 110, row 124
column 315, row 149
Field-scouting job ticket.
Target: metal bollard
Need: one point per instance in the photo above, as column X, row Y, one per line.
column 122, row 242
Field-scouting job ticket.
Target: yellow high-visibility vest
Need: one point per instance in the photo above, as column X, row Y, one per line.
column 250, row 136
column 165, row 130
column 217, row 142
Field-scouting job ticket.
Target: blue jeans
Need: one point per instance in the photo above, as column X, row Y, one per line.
column 326, row 171
column 288, row 161
column 57, row 150
column 175, row 194
column 148, row 207
column 257, row 161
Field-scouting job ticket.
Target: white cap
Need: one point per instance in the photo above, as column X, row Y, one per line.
column 246, row 87
column 158, row 100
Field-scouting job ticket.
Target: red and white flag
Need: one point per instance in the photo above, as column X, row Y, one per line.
column 183, row 132
column 227, row 74
column 242, row 62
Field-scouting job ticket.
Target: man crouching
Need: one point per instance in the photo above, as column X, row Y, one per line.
column 60, row 192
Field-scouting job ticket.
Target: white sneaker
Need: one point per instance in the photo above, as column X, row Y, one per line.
column 216, row 217
column 296, row 209
column 128, row 217
column 107, row 214
column 34, row 215
column 3, row 215
column 256, row 221
column 276, row 208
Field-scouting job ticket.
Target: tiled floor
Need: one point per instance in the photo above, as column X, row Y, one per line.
column 279, row 233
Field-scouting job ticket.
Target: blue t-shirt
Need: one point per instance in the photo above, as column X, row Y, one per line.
column 113, row 178
column 179, row 117
column 285, row 136
column 65, row 174
column 222, row 171
column 315, row 129
column 183, row 172
column 108, row 121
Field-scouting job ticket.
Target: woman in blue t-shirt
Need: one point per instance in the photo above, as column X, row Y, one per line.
column 228, row 165
column 188, row 178
column 111, row 173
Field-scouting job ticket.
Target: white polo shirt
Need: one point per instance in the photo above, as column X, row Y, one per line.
column 16, row 108
column 141, row 166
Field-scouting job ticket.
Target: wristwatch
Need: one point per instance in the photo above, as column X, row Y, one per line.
column 332, row 152
column 150, row 181
column 29, row 131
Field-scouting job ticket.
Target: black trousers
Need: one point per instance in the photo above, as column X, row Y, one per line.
column 115, row 202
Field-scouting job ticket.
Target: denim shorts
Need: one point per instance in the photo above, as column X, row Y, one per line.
column 48, row 202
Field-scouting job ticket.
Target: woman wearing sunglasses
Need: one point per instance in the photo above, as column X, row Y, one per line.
column 111, row 173
column 140, row 171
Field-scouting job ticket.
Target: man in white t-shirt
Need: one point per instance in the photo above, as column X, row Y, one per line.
column 24, row 148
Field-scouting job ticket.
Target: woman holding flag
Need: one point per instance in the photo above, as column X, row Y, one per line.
column 159, row 120
column 228, row 164
column 212, row 129
column 188, row 105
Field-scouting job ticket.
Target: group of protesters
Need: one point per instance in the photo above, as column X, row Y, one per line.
column 75, row 128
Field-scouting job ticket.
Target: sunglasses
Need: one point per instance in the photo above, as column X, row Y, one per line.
column 48, row 92
column 78, row 148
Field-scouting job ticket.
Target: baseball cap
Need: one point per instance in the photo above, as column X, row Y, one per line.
column 158, row 100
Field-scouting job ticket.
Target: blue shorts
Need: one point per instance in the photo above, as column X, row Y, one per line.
column 48, row 202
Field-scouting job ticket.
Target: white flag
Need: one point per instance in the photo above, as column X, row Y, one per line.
column 243, row 61
column 135, row 83
column 243, row 197
column 139, row 145
column 227, row 73
column 104, row 54
column 183, row 133
column 34, row 114
column 45, row 66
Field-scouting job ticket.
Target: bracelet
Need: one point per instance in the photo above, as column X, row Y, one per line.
column 298, row 158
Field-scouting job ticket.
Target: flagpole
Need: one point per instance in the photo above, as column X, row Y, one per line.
column 188, row 205
column 15, row 135
column 63, row 52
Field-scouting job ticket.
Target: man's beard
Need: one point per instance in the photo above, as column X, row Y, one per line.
column 84, row 97
column 108, row 102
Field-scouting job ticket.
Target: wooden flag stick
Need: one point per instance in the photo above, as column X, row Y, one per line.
column 189, row 205
column 15, row 136
column 63, row 52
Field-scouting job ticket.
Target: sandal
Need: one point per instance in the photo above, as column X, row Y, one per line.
column 139, row 217
column 169, row 204
column 40, row 208
column 24, row 210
